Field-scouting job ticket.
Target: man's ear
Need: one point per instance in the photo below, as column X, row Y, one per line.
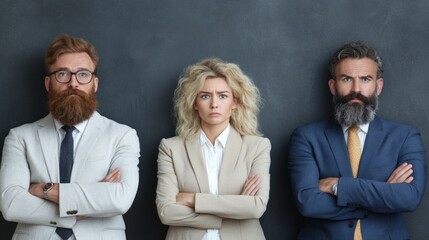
column 47, row 83
column 331, row 84
column 379, row 86
column 95, row 84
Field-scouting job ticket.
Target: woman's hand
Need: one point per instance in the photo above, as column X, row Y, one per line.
column 251, row 186
column 186, row 199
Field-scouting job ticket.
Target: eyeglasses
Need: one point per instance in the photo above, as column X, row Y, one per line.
column 82, row 76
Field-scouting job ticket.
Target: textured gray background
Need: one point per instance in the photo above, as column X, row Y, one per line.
column 283, row 45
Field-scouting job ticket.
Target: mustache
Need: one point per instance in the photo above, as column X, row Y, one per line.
column 72, row 91
column 351, row 96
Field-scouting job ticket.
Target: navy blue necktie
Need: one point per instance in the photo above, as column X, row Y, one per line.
column 66, row 165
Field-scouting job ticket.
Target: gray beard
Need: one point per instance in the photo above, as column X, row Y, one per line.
column 349, row 114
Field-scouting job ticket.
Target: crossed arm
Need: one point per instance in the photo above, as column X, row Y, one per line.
column 205, row 210
column 36, row 189
column 401, row 191
column 250, row 188
column 22, row 178
column 402, row 174
column 53, row 195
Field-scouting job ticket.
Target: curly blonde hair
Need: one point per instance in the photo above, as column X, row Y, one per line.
column 244, row 117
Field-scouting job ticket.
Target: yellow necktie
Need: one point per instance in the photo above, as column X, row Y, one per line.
column 355, row 151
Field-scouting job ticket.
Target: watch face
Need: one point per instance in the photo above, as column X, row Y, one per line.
column 47, row 186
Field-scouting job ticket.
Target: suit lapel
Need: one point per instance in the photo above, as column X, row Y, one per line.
column 89, row 137
column 48, row 139
column 193, row 148
column 335, row 137
column 230, row 158
column 373, row 141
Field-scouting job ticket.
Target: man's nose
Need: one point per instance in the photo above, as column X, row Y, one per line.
column 356, row 87
column 73, row 81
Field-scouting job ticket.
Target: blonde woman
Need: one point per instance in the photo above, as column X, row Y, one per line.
column 213, row 177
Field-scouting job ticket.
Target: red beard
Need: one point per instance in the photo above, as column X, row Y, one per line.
column 71, row 110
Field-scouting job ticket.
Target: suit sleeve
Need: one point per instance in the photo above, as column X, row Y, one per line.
column 241, row 206
column 169, row 212
column 385, row 197
column 304, row 175
column 102, row 199
column 17, row 204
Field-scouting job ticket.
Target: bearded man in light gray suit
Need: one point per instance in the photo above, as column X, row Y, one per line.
column 104, row 168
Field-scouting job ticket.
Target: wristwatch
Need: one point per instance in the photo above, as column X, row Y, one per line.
column 335, row 188
column 46, row 189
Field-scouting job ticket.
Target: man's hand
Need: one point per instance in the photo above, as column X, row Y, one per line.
column 325, row 184
column 113, row 176
column 251, row 186
column 402, row 174
column 186, row 199
column 36, row 189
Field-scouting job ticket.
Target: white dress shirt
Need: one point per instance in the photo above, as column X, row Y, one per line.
column 77, row 133
column 212, row 155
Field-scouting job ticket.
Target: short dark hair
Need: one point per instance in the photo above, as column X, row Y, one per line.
column 355, row 50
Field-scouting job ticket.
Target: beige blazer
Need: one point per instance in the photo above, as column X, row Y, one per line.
column 181, row 168
column 30, row 155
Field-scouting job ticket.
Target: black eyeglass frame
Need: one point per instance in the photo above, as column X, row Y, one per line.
column 93, row 74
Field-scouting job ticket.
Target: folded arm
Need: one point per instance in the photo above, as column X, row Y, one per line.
column 229, row 202
column 391, row 195
column 37, row 189
column 171, row 213
column 304, row 175
column 402, row 174
column 106, row 199
column 89, row 199
column 252, row 200
column 402, row 191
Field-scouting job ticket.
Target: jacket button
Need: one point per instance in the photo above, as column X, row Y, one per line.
column 351, row 224
column 72, row 212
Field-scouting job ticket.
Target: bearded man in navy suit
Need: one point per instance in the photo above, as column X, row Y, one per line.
column 366, row 202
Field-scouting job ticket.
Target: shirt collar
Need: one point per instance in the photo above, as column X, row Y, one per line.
column 80, row 126
column 221, row 139
column 362, row 127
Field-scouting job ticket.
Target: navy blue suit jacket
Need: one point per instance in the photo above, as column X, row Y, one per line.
column 319, row 151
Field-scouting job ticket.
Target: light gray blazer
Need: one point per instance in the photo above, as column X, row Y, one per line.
column 30, row 155
column 181, row 169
